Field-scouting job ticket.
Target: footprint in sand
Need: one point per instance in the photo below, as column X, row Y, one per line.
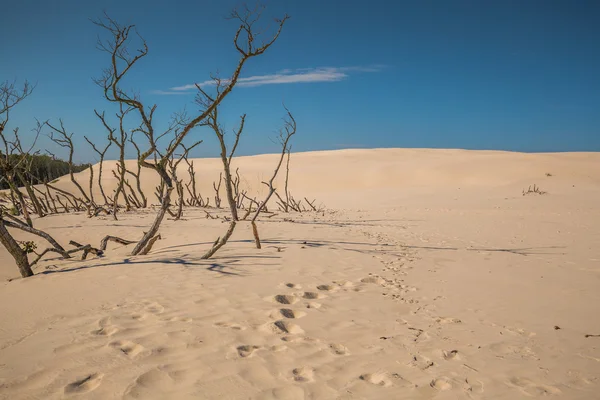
column 344, row 284
column 442, row 384
column 339, row 349
column 303, row 374
column 247, row 351
column 377, row 378
column 285, row 299
column 293, row 286
column 374, row 279
column 292, row 314
column 128, row 348
column 85, row 384
column 503, row 349
column 178, row 319
column 106, row 328
column 287, row 327
column 150, row 383
column 312, row 295
column 532, row 388
column 230, row 325
column 445, row 321
column 155, row 308
column 299, row 339
column 327, row 288
column 451, row 355
column 421, row 362
column 72, row 348
column 473, row 386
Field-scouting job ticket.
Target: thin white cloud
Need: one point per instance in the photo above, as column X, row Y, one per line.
column 301, row 75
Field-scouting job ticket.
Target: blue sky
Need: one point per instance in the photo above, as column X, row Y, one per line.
column 509, row 75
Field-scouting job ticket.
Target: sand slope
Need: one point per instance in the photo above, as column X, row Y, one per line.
column 430, row 276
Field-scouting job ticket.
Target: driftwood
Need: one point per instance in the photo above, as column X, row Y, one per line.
column 108, row 238
column 148, row 247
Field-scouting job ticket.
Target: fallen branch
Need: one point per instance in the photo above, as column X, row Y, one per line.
column 116, row 239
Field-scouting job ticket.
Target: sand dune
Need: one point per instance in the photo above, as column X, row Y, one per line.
column 429, row 275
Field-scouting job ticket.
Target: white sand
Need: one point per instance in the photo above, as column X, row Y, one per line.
column 430, row 276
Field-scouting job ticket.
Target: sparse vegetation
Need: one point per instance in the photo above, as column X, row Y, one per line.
column 25, row 167
column 533, row 190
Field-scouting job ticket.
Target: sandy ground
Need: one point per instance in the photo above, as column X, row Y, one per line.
column 429, row 275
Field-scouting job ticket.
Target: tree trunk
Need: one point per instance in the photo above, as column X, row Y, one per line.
column 15, row 250
column 228, row 183
column 220, row 241
column 256, row 237
column 166, row 201
column 92, row 184
column 24, row 209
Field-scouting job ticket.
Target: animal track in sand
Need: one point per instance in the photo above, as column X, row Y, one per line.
column 289, row 313
column 84, row 385
column 377, row 378
column 303, row 374
column 246, row 351
column 339, row 349
column 128, row 348
column 230, row 325
column 285, row 299
column 532, row 388
column 288, row 327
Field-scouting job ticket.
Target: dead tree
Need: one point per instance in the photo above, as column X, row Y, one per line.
column 195, row 198
column 285, row 135
column 122, row 60
column 15, row 251
column 101, row 154
column 119, row 141
column 136, row 175
column 11, row 162
column 217, row 191
column 237, row 193
column 24, row 172
column 20, row 254
column 212, row 122
column 173, row 164
column 63, row 139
